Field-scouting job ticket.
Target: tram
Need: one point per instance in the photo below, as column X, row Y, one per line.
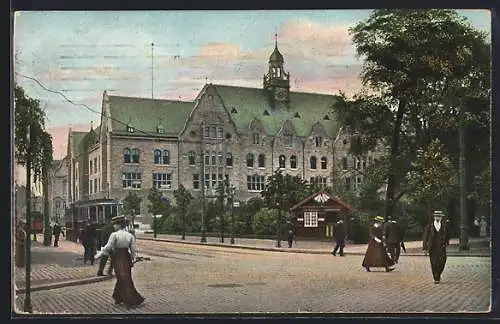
column 97, row 212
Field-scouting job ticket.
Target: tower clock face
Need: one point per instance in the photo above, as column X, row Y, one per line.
column 280, row 94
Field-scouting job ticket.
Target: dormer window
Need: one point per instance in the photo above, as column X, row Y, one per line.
column 288, row 141
column 297, row 115
column 255, row 138
column 326, row 117
column 160, row 130
column 234, row 111
column 266, row 113
column 130, row 128
column 318, row 141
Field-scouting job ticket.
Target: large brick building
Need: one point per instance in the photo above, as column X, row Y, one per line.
column 245, row 133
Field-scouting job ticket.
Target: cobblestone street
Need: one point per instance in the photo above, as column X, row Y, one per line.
column 204, row 279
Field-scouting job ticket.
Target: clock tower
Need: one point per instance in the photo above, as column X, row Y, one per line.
column 277, row 81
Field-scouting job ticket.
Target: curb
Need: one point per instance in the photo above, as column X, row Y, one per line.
column 65, row 284
column 291, row 250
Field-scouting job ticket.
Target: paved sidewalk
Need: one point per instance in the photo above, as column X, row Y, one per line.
column 478, row 246
column 53, row 267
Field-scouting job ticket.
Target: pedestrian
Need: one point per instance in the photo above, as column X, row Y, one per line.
column 123, row 245
column 88, row 238
column 434, row 241
column 290, row 236
column 105, row 233
column 339, row 235
column 376, row 254
column 56, row 231
column 394, row 237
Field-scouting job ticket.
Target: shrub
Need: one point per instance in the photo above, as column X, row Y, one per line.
column 360, row 228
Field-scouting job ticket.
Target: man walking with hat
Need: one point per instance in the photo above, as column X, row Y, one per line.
column 339, row 234
column 105, row 234
column 435, row 241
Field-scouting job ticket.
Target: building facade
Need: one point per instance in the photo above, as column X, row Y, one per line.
column 58, row 190
column 245, row 133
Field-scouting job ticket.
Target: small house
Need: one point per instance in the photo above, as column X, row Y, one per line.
column 316, row 215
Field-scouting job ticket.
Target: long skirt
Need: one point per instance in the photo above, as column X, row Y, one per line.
column 376, row 256
column 438, row 261
column 125, row 291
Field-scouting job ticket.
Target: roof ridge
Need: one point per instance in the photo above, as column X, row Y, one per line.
column 150, row 99
column 295, row 92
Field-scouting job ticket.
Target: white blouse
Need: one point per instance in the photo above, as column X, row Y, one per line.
column 120, row 239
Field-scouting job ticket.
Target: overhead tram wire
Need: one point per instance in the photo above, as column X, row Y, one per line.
column 80, row 104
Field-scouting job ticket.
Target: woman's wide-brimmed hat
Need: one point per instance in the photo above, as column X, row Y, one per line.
column 379, row 219
column 118, row 219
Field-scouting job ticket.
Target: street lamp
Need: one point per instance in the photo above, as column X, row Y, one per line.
column 232, row 190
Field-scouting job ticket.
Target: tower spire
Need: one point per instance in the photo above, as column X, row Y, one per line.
column 276, row 38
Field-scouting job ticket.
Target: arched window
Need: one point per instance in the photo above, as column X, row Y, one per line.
column 293, row 162
column 220, row 132
column 192, row 158
column 249, row 160
column 262, row 160
column 323, row 163
column 229, row 159
column 126, row 155
column 312, row 162
column 213, row 132
column 282, row 161
column 157, row 156
column 166, row 157
column 135, row 155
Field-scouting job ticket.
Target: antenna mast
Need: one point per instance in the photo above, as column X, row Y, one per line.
column 152, row 70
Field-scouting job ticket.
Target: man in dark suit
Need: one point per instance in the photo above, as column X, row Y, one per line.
column 56, row 230
column 435, row 241
column 339, row 234
column 105, row 233
column 394, row 239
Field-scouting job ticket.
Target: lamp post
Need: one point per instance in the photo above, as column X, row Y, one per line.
column 232, row 190
column 202, row 155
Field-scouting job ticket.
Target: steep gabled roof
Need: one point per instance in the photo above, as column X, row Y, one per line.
column 145, row 115
column 253, row 102
column 77, row 138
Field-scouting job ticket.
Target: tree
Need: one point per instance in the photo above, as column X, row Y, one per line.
column 415, row 63
column 281, row 192
column 46, row 163
column 182, row 200
column 157, row 206
column 431, row 176
column 132, row 205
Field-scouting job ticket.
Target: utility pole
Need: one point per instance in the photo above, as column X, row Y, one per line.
column 464, row 235
column 27, row 296
column 202, row 154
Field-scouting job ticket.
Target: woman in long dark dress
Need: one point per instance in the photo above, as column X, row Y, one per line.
column 376, row 255
column 121, row 242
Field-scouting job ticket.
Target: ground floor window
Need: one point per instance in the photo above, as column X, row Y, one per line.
column 162, row 180
column 310, row 219
column 319, row 181
column 131, row 180
column 255, row 182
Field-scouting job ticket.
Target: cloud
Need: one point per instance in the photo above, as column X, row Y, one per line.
column 87, row 73
column 306, row 39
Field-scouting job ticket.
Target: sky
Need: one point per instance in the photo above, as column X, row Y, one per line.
column 83, row 53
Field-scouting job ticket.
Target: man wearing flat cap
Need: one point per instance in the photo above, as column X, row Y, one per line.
column 435, row 241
